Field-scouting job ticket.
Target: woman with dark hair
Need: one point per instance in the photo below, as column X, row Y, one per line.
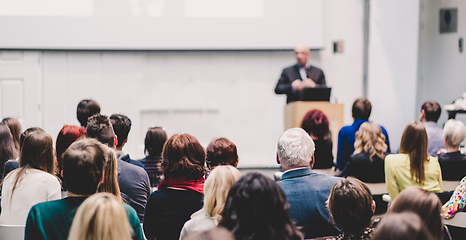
column 351, row 208
column 13, row 164
column 412, row 167
column 402, row 226
column 425, row 204
column 15, row 128
column 153, row 146
column 7, row 146
column 315, row 123
column 180, row 194
column 257, row 209
column 33, row 182
column 367, row 162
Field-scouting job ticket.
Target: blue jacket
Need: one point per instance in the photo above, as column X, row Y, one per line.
column 307, row 193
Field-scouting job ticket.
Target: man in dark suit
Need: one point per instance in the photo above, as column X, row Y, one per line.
column 299, row 76
column 306, row 191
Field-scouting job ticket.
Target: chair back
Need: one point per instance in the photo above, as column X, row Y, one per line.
column 459, row 220
column 377, row 188
column 449, row 186
column 12, row 232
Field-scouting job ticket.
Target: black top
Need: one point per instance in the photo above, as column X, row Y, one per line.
column 167, row 210
column 453, row 165
column 361, row 167
column 323, row 154
column 151, row 166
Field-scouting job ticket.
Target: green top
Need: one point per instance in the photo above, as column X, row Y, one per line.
column 52, row 220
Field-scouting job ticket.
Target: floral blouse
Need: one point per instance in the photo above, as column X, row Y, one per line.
column 456, row 202
column 366, row 234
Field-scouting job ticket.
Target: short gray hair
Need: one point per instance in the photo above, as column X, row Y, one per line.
column 454, row 132
column 295, row 148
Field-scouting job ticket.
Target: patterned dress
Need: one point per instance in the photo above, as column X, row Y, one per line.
column 456, row 202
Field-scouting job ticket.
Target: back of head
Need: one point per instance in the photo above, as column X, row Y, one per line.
column 67, row 135
column 86, row 109
column 221, row 151
column 83, row 165
column 213, row 234
column 7, row 145
column 256, row 209
column 454, row 132
column 402, row 226
column 121, row 126
column 37, row 152
column 351, row 205
column 101, row 216
column 15, row 129
column 432, row 111
column 370, row 139
column 154, row 141
column 426, row 204
column 100, row 128
column 316, row 123
column 414, row 143
column 183, row 157
column 361, row 109
column 26, row 132
column 295, row 148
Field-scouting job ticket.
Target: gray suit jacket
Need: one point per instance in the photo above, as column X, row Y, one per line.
column 307, row 193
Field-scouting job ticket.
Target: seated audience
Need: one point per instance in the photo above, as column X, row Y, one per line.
column 100, row 217
column 11, row 165
column 121, row 126
column 351, row 208
column 430, row 113
column 215, row 194
column 218, row 233
column 15, row 129
column 133, row 180
column 180, row 194
column 303, row 186
column 256, row 209
column 367, row 162
column 346, row 137
column 453, row 162
column 83, row 166
column 457, row 201
column 7, row 148
column 412, row 166
column 33, row 182
column 67, row 135
column 221, row 151
column 86, row 108
column 425, row 204
column 402, row 226
column 153, row 146
column 315, row 123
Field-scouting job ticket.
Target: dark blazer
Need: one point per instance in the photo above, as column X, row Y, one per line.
column 307, row 193
column 361, row 167
column 290, row 74
column 453, row 165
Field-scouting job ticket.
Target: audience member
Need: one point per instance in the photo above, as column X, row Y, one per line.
column 303, row 186
column 218, row 233
column 412, row 166
column 351, row 208
column 346, row 137
column 67, row 135
column 453, row 162
column 221, row 151
column 33, row 182
column 367, row 162
column 83, row 166
column 121, row 126
column 153, row 146
column 402, row 226
column 256, row 209
column 100, row 217
column 110, row 184
column 315, row 123
column 457, row 201
column 133, row 180
column 15, row 128
column 425, row 204
column 13, row 164
column 86, row 108
column 180, row 194
column 7, row 147
column 430, row 113
column 215, row 194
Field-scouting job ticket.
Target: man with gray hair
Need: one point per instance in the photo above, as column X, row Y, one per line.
column 306, row 191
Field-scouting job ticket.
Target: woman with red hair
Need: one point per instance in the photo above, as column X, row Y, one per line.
column 67, row 135
column 316, row 124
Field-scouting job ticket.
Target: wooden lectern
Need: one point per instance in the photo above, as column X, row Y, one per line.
column 295, row 112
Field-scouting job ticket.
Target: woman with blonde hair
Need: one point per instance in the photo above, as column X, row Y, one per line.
column 110, row 184
column 216, row 190
column 100, row 217
column 367, row 162
column 412, row 167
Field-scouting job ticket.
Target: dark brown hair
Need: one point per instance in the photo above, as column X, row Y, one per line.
column 414, row 143
column 221, row 151
column 426, row 204
column 350, row 205
column 432, row 111
column 121, row 126
column 316, row 123
column 86, row 108
column 402, row 226
column 154, row 141
column 7, row 146
column 15, row 128
column 361, row 109
column 183, row 157
column 100, row 128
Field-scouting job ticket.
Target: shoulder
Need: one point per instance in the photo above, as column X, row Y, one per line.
column 132, row 214
column 316, row 69
column 345, row 130
column 131, row 168
column 48, row 207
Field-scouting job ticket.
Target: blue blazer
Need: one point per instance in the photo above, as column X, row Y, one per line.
column 307, row 193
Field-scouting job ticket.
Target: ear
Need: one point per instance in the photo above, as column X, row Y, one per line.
column 102, row 179
column 311, row 164
column 422, row 116
column 373, row 206
column 237, row 161
column 278, row 161
column 61, row 172
column 115, row 141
